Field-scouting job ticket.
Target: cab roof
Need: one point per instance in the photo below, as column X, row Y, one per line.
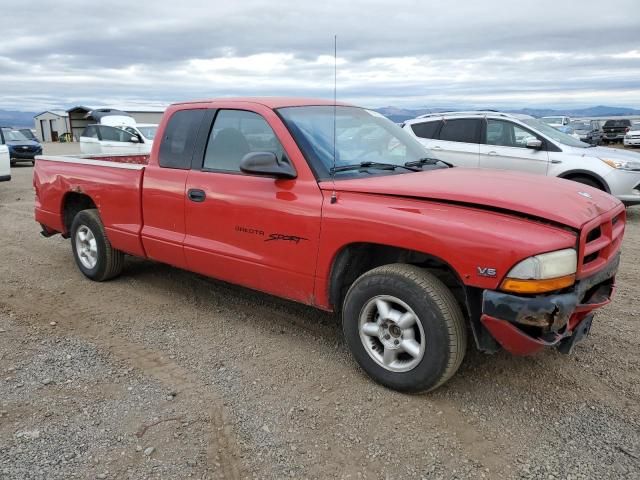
column 271, row 102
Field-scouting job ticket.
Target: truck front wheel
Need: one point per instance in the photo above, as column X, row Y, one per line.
column 94, row 255
column 404, row 327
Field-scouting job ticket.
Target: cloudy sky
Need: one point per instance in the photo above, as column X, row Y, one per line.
column 405, row 53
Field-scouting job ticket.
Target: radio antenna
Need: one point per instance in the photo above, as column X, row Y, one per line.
column 335, row 96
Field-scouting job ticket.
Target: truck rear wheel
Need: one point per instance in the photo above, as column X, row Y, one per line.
column 404, row 327
column 94, row 255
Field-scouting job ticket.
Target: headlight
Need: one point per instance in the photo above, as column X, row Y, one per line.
column 621, row 164
column 543, row 273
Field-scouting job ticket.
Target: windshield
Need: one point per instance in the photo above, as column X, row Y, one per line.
column 555, row 134
column 28, row 133
column 14, row 135
column 360, row 136
column 148, row 132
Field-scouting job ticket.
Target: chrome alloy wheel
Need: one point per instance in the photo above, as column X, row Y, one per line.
column 391, row 333
column 86, row 247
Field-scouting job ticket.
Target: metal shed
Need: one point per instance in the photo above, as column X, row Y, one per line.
column 51, row 125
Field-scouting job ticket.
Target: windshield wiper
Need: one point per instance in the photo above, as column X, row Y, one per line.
column 427, row 161
column 378, row 165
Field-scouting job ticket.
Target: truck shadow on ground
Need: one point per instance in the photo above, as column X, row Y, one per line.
column 283, row 315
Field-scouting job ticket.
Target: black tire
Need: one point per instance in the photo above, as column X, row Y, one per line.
column 109, row 260
column 438, row 312
column 587, row 181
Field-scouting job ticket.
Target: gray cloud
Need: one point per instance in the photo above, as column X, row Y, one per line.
column 407, row 53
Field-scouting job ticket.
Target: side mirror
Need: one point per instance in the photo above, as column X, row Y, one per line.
column 534, row 143
column 134, row 139
column 267, row 163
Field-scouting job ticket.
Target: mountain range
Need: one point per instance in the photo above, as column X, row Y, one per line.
column 401, row 114
column 14, row 118
column 25, row 119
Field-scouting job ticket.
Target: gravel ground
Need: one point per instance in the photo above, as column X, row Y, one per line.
column 165, row 374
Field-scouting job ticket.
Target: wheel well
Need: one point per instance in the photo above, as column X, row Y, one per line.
column 72, row 204
column 596, row 179
column 356, row 259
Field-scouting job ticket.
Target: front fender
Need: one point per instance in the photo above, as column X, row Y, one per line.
column 479, row 244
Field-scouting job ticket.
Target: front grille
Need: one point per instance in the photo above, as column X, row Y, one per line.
column 600, row 241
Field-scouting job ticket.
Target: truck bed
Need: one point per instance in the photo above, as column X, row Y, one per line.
column 114, row 184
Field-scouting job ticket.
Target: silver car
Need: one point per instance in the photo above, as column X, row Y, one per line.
column 487, row 139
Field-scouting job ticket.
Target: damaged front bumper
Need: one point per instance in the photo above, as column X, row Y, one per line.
column 524, row 325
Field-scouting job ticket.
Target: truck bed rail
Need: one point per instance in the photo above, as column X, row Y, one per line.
column 131, row 161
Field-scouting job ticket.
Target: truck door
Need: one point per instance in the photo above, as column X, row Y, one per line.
column 505, row 148
column 163, row 191
column 257, row 231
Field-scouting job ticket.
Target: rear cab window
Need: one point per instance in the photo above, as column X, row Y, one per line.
column 178, row 139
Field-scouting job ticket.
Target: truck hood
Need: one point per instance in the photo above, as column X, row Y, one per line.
column 553, row 199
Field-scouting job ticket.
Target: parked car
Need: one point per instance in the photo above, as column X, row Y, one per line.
column 588, row 131
column 632, row 137
column 615, row 130
column 520, row 142
column 105, row 139
column 21, row 149
column 5, row 164
column 413, row 254
column 556, row 120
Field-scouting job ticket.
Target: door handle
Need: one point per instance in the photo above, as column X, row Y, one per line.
column 196, row 195
column 492, row 153
column 556, row 161
column 436, row 147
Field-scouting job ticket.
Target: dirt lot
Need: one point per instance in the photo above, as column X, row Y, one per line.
column 165, row 374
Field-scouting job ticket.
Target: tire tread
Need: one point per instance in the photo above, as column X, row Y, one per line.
column 446, row 302
column 114, row 259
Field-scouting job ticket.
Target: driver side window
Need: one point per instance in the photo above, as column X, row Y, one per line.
column 236, row 133
column 507, row 134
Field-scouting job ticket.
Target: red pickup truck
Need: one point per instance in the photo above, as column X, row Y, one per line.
column 336, row 207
